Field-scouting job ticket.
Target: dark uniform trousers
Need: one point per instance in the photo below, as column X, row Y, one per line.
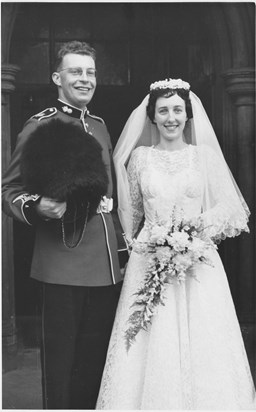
column 76, row 323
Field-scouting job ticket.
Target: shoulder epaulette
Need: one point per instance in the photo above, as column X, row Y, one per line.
column 95, row 117
column 45, row 114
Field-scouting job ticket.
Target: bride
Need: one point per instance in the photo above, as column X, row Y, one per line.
column 186, row 352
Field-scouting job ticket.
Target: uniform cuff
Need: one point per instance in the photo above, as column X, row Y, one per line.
column 27, row 207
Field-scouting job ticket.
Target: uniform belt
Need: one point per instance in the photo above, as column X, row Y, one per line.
column 105, row 206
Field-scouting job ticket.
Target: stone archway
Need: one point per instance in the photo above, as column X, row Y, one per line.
column 231, row 28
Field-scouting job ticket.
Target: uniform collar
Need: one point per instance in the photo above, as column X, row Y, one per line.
column 70, row 110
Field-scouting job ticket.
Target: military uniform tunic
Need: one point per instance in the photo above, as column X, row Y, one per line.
column 95, row 261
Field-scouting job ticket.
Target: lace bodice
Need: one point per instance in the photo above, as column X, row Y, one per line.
column 160, row 179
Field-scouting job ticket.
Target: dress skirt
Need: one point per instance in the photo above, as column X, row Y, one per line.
column 191, row 357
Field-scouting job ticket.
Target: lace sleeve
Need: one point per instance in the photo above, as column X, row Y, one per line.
column 226, row 213
column 133, row 173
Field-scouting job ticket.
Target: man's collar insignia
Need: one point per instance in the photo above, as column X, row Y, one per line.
column 67, row 109
column 73, row 111
column 70, row 110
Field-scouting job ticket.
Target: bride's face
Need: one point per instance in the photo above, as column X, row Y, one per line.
column 170, row 117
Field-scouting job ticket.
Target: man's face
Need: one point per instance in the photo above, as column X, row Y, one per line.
column 76, row 79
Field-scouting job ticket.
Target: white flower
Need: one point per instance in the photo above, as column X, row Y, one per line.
column 196, row 222
column 170, row 84
column 178, row 240
column 182, row 262
column 181, row 277
column 197, row 245
column 158, row 235
column 164, row 254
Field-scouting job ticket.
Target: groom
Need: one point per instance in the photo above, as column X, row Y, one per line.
column 80, row 286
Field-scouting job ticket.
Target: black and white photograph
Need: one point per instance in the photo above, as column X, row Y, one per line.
column 128, row 206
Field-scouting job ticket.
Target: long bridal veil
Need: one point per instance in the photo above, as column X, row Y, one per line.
column 140, row 131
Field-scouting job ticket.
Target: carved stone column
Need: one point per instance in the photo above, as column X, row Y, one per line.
column 9, row 337
column 240, row 84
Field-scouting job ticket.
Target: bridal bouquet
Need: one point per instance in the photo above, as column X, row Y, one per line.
column 172, row 249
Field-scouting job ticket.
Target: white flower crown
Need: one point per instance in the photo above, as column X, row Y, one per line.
column 170, row 84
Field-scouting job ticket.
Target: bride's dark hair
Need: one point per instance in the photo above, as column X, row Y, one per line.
column 156, row 93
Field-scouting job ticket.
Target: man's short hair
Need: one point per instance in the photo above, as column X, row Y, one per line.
column 74, row 47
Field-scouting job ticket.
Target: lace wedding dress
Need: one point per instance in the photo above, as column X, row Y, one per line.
column 192, row 356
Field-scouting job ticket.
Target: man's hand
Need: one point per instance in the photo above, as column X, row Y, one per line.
column 50, row 209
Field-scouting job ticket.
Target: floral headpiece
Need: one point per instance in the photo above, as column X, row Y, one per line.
column 170, row 84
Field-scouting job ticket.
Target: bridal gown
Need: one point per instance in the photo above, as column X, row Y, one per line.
column 192, row 356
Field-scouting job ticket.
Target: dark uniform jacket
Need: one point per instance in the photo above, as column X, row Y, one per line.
column 94, row 262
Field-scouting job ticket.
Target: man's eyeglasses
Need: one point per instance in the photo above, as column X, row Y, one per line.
column 78, row 71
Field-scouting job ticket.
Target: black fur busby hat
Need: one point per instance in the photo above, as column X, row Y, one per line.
column 60, row 160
